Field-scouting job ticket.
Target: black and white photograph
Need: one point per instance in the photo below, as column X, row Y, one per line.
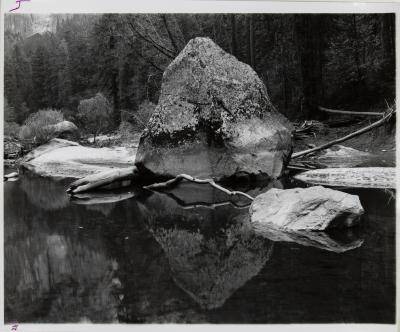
column 199, row 168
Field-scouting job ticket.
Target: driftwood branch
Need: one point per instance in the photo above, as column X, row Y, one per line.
column 376, row 124
column 328, row 110
column 194, row 205
column 102, row 179
column 180, row 177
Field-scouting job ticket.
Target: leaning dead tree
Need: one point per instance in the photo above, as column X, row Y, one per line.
column 329, row 110
column 387, row 116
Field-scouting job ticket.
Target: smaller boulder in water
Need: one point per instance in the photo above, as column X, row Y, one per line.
column 314, row 209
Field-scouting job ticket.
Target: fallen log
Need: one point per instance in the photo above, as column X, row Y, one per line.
column 101, row 197
column 102, row 179
column 11, row 176
column 328, row 110
column 376, row 124
column 361, row 177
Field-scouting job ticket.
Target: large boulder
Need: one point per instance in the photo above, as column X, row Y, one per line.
column 214, row 119
column 314, row 208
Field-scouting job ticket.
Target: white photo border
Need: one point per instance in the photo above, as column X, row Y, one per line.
column 190, row 6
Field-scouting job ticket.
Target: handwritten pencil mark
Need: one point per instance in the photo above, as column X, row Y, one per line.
column 18, row 2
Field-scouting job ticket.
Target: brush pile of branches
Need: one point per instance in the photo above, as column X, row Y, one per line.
column 308, row 128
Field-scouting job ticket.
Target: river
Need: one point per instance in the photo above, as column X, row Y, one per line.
column 188, row 256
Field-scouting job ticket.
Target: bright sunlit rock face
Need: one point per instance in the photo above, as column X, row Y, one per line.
column 214, row 119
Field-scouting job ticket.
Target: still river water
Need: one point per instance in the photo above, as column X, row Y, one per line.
column 187, row 256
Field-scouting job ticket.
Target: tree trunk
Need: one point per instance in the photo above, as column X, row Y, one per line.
column 115, row 94
column 100, row 180
column 310, row 36
column 233, row 35
column 388, row 34
column 170, row 35
column 251, row 39
column 356, row 47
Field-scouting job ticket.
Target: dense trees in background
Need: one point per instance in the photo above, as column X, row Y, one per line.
column 304, row 60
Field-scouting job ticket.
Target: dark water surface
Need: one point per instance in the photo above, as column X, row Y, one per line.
column 172, row 258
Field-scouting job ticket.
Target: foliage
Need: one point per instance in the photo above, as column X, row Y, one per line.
column 95, row 114
column 341, row 60
column 140, row 117
column 38, row 126
column 127, row 131
column 9, row 112
column 11, row 129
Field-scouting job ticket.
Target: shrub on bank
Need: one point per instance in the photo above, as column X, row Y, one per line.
column 144, row 113
column 139, row 118
column 95, row 114
column 11, row 129
column 126, row 130
column 38, row 125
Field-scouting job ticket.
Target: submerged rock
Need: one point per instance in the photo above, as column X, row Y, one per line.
column 314, row 208
column 214, row 119
column 66, row 159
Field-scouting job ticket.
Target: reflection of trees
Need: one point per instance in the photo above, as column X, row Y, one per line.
column 164, row 258
column 52, row 278
column 214, row 251
column 53, row 272
column 44, row 193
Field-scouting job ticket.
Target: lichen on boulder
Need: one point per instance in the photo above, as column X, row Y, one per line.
column 214, row 119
